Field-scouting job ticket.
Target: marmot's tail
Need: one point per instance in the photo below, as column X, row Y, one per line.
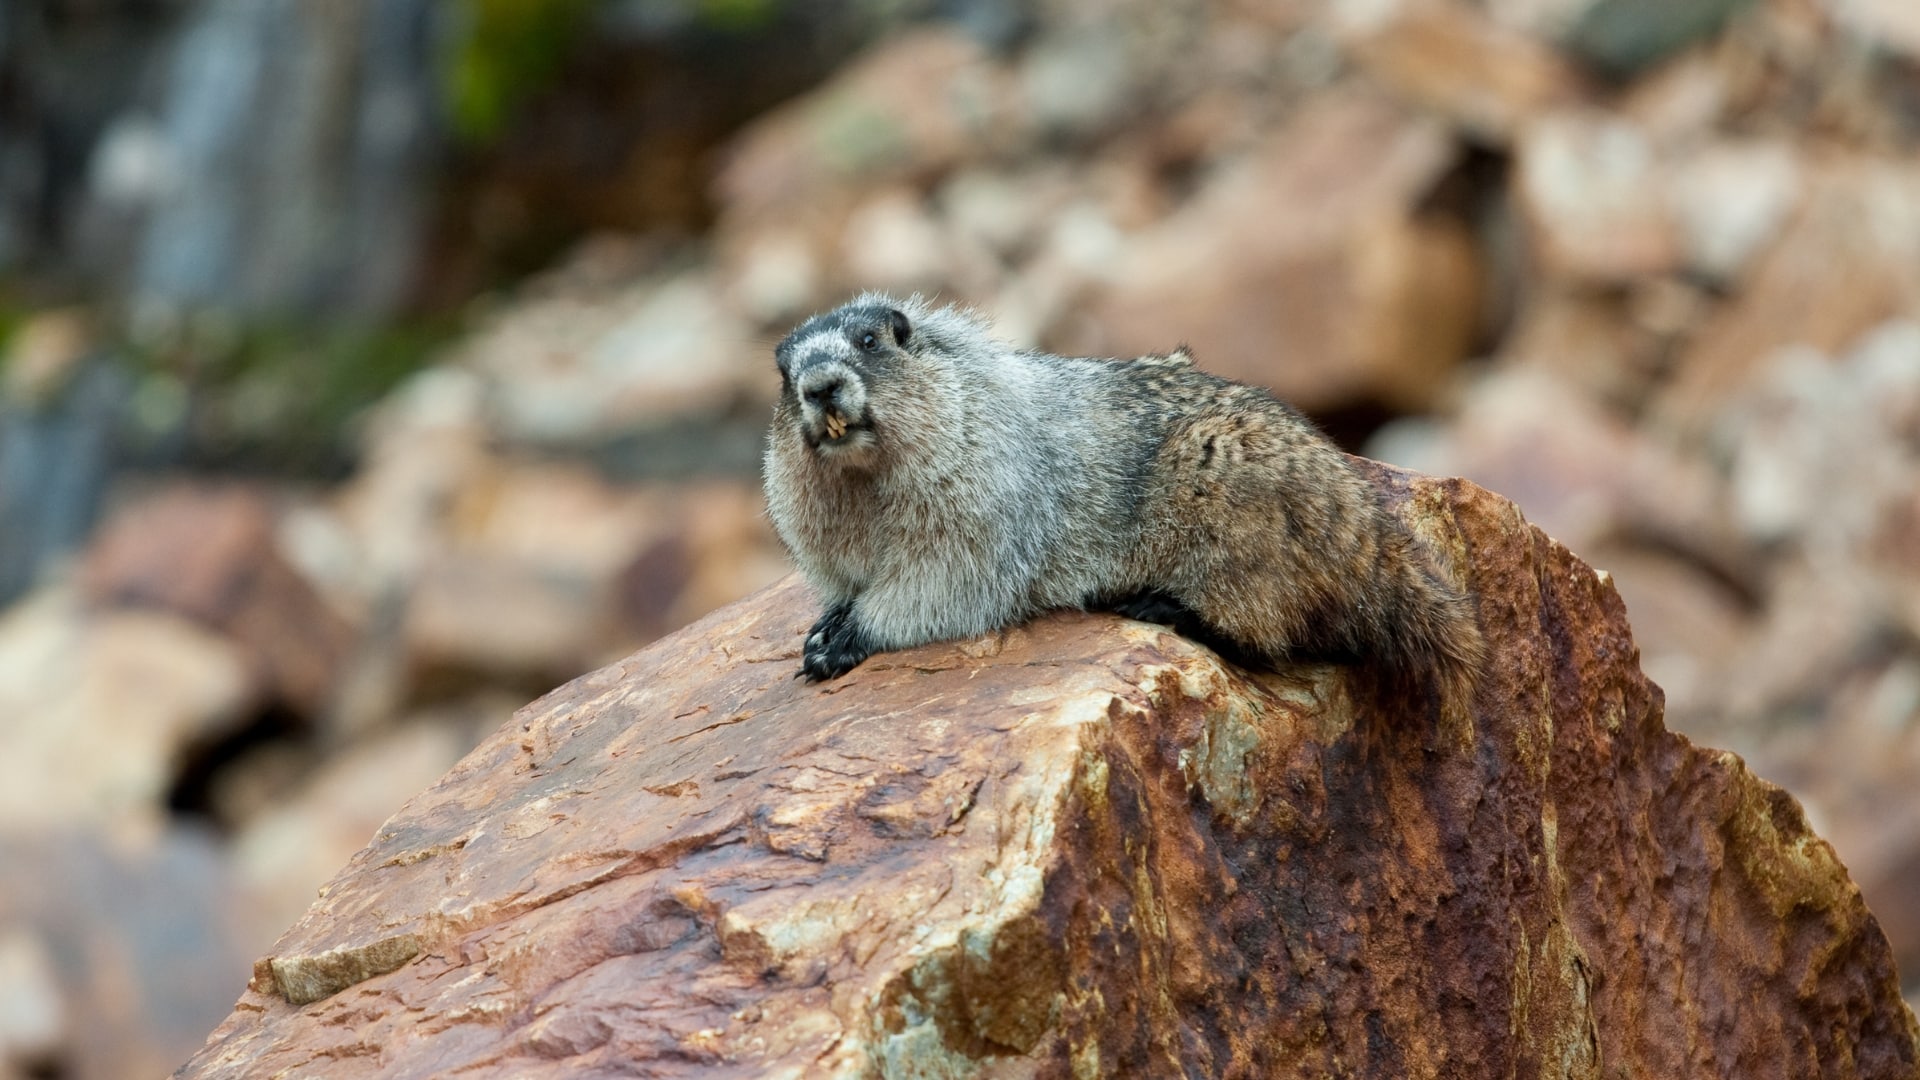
column 1436, row 632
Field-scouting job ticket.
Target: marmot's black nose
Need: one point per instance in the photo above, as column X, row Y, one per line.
column 823, row 392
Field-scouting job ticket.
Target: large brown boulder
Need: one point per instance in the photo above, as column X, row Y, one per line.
column 1088, row 848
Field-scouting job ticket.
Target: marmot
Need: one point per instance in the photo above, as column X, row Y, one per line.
column 934, row 483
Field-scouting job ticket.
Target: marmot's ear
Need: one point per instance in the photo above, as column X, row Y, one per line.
column 902, row 329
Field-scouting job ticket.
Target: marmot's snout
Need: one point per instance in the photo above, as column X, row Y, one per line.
column 833, row 405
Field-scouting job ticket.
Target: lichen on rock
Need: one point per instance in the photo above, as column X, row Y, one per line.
column 303, row 980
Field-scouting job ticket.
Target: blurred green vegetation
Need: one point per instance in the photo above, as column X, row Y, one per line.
column 737, row 14
column 12, row 315
column 276, row 396
column 507, row 50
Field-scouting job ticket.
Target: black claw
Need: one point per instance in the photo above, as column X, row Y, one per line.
column 834, row 646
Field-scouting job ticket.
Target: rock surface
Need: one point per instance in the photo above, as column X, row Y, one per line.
column 1085, row 847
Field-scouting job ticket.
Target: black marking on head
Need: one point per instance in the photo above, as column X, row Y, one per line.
column 866, row 325
column 783, row 359
column 873, row 329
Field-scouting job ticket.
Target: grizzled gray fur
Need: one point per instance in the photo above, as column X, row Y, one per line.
column 934, row 483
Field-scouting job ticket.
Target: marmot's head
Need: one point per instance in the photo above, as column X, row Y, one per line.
column 832, row 368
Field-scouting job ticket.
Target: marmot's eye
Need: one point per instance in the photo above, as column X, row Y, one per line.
column 867, row 342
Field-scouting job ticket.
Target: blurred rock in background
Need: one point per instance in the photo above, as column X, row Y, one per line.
column 370, row 368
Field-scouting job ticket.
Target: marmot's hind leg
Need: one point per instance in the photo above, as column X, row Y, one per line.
column 1156, row 606
column 1272, row 538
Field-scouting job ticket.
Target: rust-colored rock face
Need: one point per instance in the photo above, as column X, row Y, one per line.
column 1085, row 849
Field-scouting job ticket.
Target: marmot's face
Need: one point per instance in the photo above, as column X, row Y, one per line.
column 829, row 368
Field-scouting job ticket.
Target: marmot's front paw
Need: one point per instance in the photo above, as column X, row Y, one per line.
column 834, row 645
